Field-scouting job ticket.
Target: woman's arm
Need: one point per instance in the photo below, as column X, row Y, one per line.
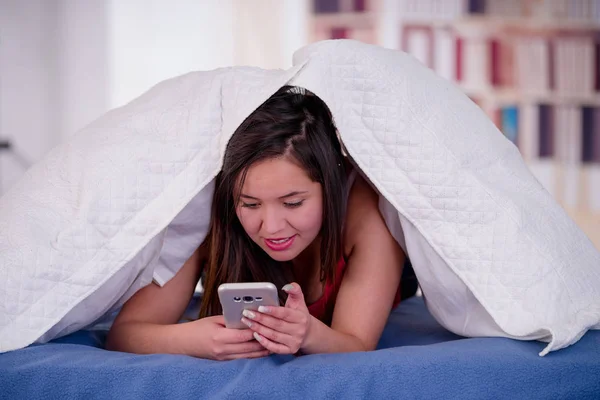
column 148, row 323
column 370, row 282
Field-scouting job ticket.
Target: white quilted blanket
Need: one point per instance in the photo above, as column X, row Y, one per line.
column 106, row 212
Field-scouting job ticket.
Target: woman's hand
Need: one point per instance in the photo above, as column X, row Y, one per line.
column 281, row 330
column 209, row 338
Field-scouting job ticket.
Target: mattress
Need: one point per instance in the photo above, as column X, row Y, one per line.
column 416, row 358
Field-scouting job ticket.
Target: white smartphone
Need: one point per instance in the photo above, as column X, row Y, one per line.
column 237, row 297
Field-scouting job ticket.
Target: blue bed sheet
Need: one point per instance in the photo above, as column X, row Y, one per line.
column 417, row 358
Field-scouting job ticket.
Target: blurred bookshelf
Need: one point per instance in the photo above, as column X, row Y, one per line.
column 532, row 65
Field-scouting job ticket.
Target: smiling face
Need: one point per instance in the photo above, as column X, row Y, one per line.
column 280, row 207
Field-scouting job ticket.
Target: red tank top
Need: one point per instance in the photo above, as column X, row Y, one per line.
column 322, row 309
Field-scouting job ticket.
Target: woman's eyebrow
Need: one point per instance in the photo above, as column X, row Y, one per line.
column 291, row 194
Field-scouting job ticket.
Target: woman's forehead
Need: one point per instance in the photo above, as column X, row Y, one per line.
column 275, row 177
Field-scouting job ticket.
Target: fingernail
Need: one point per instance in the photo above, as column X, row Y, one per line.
column 264, row 309
column 258, row 337
column 248, row 314
column 287, row 287
column 247, row 322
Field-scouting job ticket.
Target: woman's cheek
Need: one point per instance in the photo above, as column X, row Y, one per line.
column 308, row 220
column 250, row 221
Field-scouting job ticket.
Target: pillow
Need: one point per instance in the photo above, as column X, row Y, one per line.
column 494, row 253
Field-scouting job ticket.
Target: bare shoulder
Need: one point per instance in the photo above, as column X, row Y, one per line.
column 362, row 216
column 374, row 265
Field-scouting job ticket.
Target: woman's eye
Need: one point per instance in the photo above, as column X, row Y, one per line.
column 294, row 205
column 250, row 205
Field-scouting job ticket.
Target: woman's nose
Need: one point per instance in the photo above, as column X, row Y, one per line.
column 272, row 221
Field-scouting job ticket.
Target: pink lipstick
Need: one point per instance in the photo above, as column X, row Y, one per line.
column 280, row 244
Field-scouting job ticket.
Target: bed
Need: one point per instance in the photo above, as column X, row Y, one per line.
column 416, row 358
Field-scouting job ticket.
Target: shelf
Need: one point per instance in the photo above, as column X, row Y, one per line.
column 463, row 23
column 511, row 96
column 350, row 19
column 498, row 22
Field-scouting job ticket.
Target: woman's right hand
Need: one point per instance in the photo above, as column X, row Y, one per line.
column 209, row 338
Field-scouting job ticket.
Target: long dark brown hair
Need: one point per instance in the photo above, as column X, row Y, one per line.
column 293, row 123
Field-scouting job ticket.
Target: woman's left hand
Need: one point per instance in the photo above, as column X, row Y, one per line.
column 281, row 330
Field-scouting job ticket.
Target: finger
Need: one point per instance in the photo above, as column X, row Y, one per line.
column 283, row 313
column 248, row 347
column 273, row 347
column 254, row 354
column 285, row 323
column 295, row 296
column 218, row 319
column 271, row 334
column 232, row 336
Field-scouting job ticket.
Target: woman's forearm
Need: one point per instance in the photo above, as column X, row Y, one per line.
column 323, row 339
column 148, row 338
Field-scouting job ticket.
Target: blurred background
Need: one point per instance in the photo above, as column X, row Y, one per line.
column 532, row 65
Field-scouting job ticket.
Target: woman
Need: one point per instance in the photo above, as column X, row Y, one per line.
column 288, row 209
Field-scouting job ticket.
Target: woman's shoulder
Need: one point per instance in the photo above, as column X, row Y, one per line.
column 362, row 207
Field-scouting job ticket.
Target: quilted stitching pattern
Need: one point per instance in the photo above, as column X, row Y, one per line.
column 91, row 214
column 93, row 204
column 443, row 165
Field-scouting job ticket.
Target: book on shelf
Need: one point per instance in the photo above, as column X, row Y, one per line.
column 580, row 10
column 550, row 10
column 505, row 8
column 476, row 6
column 567, row 162
column 590, row 123
column 426, row 10
column 540, row 11
column 364, row 34
column 502, row 60
column 339, row 6
column 533, row 65
column 567, row 143
column 344, row 19
column 546, row 131
column 574, row 63
column 444, row 53
column 597, row 58
column 473, row 62
column 528, row 125
column 418, row 40
column 510, row 122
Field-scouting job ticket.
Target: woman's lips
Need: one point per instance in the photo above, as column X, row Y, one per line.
column 280, row 244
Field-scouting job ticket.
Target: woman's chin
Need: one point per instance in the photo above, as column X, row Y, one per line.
column 281, row 256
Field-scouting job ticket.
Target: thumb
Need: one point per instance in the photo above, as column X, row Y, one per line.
column 295, row 296
column 218, row 319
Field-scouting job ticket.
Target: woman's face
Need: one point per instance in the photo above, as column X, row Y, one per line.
column 280, row 208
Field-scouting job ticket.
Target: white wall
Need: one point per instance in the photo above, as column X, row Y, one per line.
column 152, row 40
column 82, row 53
column 267, row 32
column 28, row 82
column 63, row 63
